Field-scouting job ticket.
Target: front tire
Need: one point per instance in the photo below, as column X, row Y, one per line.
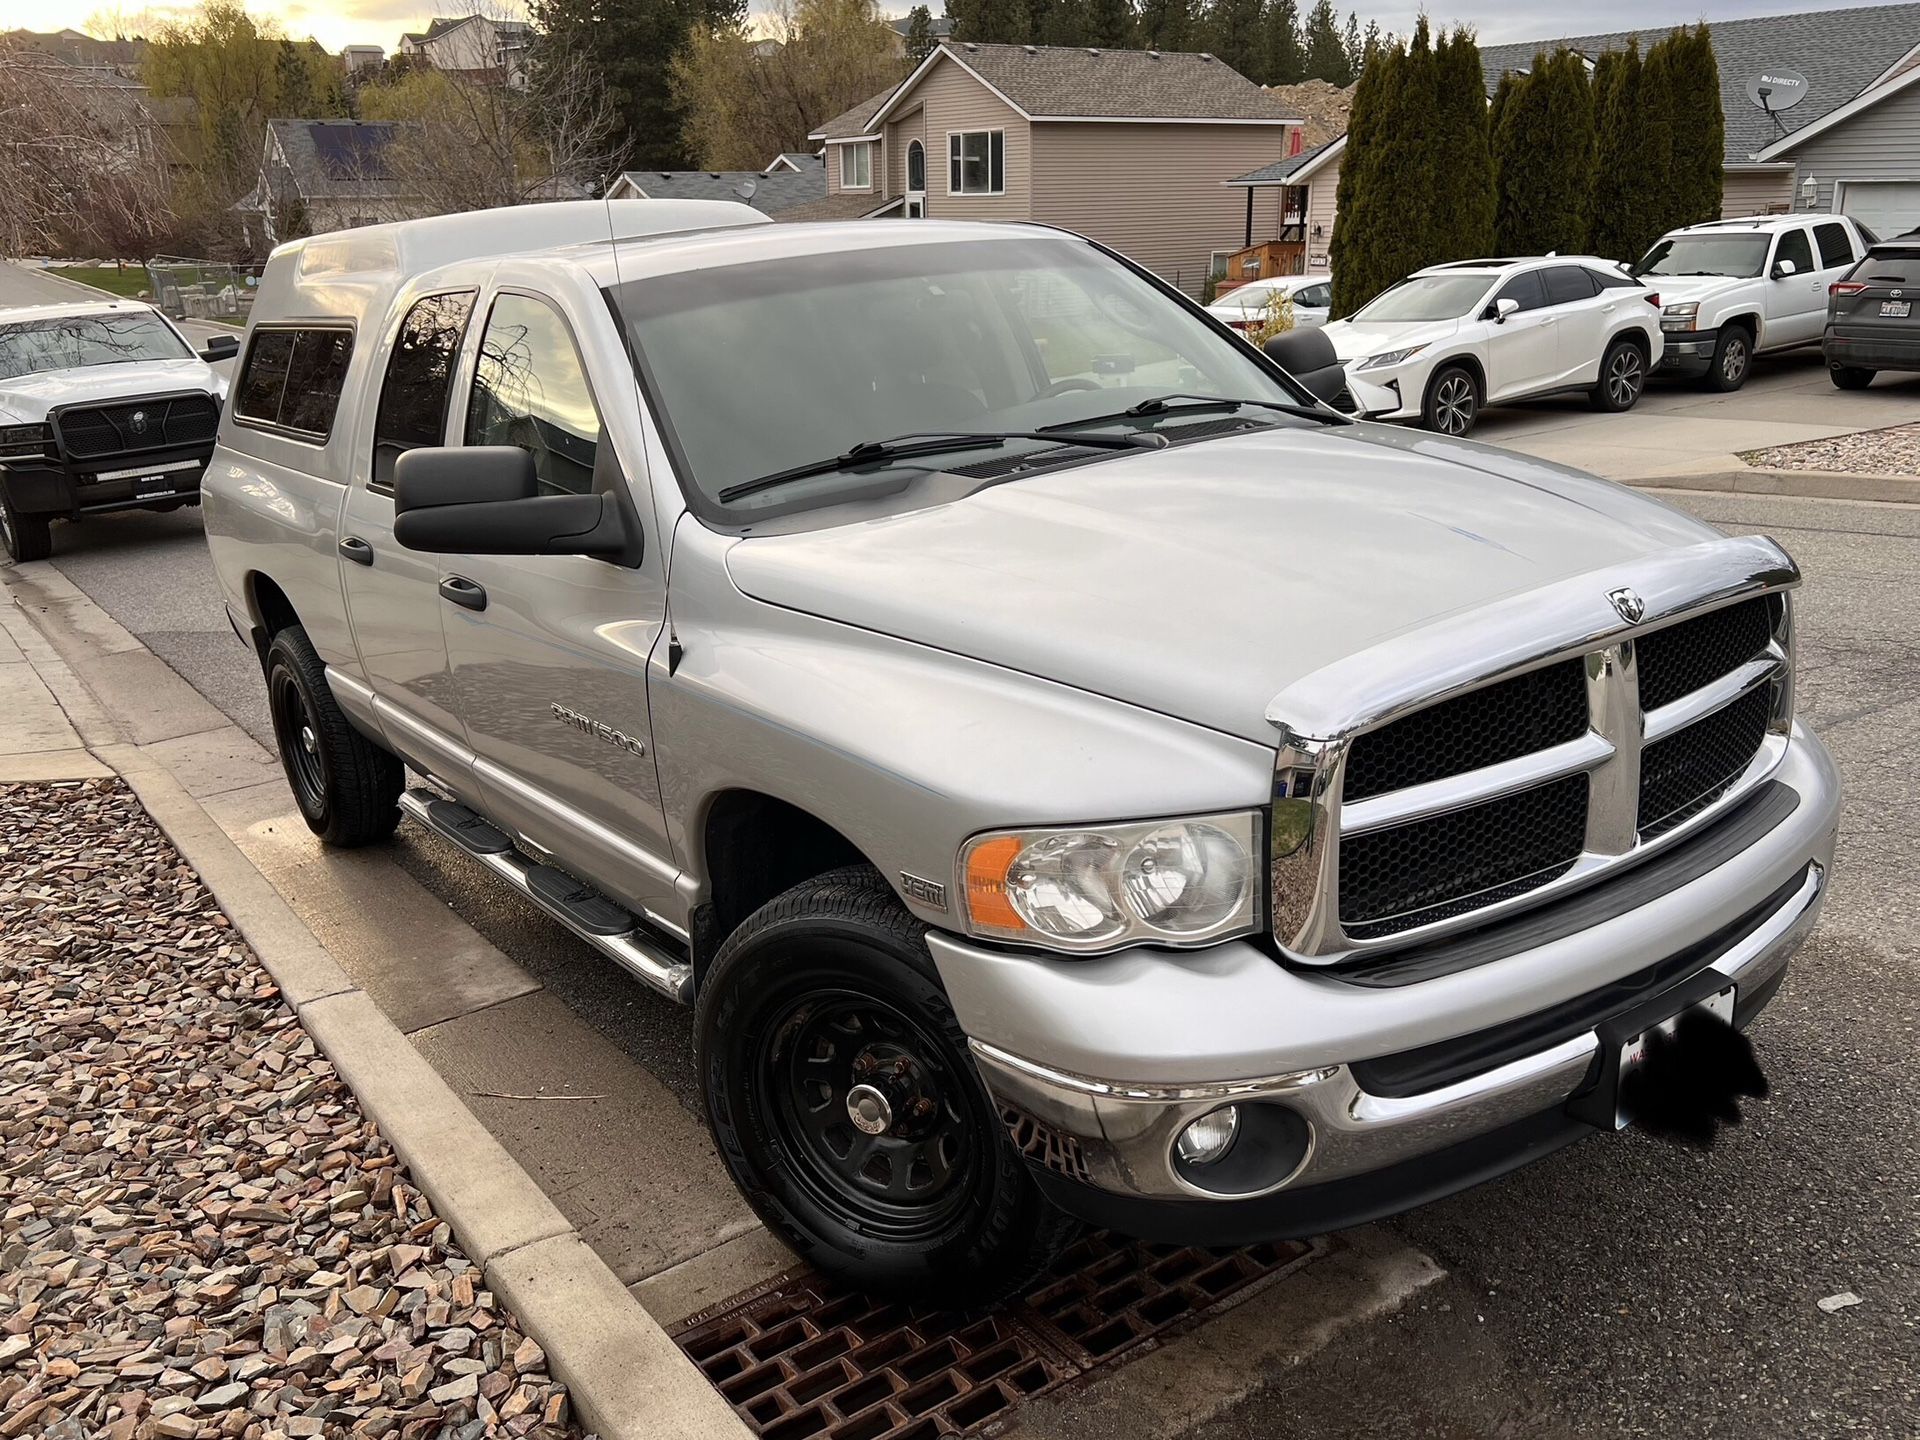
column 1623, row 375
column 26, row 537
column 843, row 1101
column 1452, row 402
column 1850, row 377
column 1732, row 359
column 347, row 787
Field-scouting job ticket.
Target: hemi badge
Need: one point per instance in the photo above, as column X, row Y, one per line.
column 927, row 892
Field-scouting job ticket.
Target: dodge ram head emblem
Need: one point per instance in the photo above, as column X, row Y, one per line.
column 138, row 420
column 1630, row 605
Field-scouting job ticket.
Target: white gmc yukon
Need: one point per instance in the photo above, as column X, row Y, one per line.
column 1072, row 771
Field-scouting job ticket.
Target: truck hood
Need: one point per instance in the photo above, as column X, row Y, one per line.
column 1200, row 580
column 1694, row 287
column 1355, row 340
column 27, row 398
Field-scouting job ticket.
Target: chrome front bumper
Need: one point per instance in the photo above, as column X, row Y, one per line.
column 1044, row 1032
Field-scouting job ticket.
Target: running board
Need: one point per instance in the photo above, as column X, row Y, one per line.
column 605, row 924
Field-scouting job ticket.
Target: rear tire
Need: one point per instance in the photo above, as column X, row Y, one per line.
column 1623, row 376
column 347, row 787
column 821, row 1000
column 1850, row 377
column 1452, row 402
column 1732, row 359
column 27, row 537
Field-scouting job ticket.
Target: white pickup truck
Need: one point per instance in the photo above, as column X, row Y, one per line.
column 1732, row 289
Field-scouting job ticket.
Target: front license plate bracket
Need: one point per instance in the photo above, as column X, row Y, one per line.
column 1623, row 1042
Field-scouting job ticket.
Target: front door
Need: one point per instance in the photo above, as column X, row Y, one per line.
column 916, row 180
column 1797, row 302
column 551, row 670
column 390, row 590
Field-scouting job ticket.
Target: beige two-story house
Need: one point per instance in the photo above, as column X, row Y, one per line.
column 1129, row 147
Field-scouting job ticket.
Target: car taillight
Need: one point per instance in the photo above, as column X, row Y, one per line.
column 1652, row 297
column 1845, row 287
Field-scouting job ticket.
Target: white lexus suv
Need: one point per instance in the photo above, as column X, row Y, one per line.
column 1451, row 339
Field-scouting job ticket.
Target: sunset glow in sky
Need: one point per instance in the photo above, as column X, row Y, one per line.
column 335, row 23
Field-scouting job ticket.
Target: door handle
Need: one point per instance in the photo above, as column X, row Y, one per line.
column 357, row 550
column 462, row 591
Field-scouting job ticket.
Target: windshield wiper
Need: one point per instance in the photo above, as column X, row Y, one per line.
column 1182, row 400
column 903, row 447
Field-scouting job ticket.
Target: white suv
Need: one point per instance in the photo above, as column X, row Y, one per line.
column 1451, row 339
column 1737, row 288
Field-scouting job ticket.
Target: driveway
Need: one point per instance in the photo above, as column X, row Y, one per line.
column 1678, row 429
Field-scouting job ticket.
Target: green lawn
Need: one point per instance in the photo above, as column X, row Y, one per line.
column 129, row 282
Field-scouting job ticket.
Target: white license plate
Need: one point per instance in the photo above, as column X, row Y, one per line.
column 1896, row 309
column 1633, row 1054
column 152, row 485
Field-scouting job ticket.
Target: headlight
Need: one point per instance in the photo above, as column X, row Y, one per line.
column 1391, row 357
column 1181, row 882
column 1680, row 316
column 24, row 439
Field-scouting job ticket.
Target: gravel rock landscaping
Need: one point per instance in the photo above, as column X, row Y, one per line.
column 1893, row 451
column 201, row 1234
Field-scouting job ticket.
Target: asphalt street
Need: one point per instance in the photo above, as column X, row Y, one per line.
column 1623, row 1287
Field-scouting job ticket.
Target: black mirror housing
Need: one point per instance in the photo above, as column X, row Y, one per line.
column 485, row 500
column 220, row 347
column 434, row 475
column 1307, row 355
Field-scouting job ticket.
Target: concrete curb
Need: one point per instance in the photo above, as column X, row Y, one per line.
column 628, row 1380
column 1799, row 484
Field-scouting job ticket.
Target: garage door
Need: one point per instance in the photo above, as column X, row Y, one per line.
column 1886, row 207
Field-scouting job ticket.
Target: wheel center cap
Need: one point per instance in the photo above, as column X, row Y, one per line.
column 869, row 1110
column 308, row 742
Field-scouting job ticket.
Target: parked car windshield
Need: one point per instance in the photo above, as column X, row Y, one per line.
column 1740, row 255
column 1427, row 297
column 760, row 367
column 69, row 342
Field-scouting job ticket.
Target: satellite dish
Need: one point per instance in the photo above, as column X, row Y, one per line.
column 747, row 189
column 1774, row 90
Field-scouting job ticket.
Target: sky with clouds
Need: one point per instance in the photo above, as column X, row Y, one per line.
column 379, row 22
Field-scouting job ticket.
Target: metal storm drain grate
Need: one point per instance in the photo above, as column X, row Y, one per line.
column 802, row 1358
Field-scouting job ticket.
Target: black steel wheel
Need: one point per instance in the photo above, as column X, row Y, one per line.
column 347, row 787
column 845, row 1105
column 1623, row 375
column 1452, row 401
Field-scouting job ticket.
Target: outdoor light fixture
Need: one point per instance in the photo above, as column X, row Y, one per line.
column 1810, row 192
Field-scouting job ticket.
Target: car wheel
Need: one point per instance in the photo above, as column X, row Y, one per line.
column 27, row 537
column 1452, row 403
column 1850, row 377
column 347, row 787
column 1732, row 359
column 845, row 1105
column 1623, row 375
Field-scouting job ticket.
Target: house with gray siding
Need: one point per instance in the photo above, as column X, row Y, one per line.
column 1863, row 159
column 1132, row 148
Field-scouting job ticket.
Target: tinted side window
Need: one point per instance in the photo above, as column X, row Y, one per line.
column 292, row 379
column 419, row 379
column 531, row 390
column 1836, row 246
column 1613, row 280
column 1567, row 283
column 1526, row 289
column 1794, row 247
column 1315, row 297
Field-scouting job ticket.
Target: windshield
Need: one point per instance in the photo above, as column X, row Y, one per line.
column 1427, row 297
column 71, row 341
column 761, row 367
column 1741, row 255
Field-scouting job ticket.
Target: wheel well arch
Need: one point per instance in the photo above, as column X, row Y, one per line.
column 272, row 610
column 754, row 846
column 1465, row 361
column 1747, row 321
column 1639, row 335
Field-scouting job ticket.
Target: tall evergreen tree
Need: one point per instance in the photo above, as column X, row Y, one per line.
column 1383, row 230
column 1699, row 127
column 1651, row 157
column 1108, row 23
column 1234, row 35
column 1502, row 93
column 1355, row 47
column 1286, row 62
column 990, row 22
column 919, row 34
column 1544, row 158
column 1326, row 51
column 1461, row 148
column 1166, row 24
column 1614, row 194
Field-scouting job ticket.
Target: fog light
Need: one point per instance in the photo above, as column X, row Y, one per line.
column 1209, row 1137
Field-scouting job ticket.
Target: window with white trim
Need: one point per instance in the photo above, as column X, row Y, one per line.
column 856, row 166
column 977, row 162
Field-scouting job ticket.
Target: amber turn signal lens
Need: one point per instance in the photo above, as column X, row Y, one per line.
column 987, row 866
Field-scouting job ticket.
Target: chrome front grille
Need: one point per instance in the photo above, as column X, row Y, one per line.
column 1431, row 813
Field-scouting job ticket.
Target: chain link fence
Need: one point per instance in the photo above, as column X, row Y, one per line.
column 202, row 289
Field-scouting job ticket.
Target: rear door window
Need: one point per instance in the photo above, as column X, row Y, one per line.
column 292, row 379
column 530, row 389
column 419, row 380
column 1794, row 247
column 1836, row 246
column 1315, row 297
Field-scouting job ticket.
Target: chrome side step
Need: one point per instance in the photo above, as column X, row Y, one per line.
column 604, row 924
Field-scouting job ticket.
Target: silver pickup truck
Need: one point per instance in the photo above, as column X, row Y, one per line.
column 1074, row 773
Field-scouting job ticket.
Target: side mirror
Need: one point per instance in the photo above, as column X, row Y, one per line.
column 1783, row 268
column 220, row 347
column 485, row 500
column 1504, row 307
column 1307, row 355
